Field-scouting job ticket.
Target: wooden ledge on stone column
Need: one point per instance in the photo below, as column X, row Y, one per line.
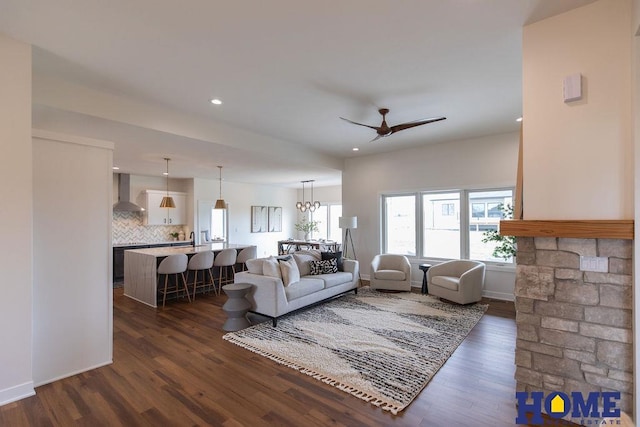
column 580, row 229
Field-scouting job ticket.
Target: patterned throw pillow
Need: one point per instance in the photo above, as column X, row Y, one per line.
column 337, row 255
column 327, row 266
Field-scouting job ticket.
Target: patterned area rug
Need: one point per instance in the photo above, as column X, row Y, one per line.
column 381, row 347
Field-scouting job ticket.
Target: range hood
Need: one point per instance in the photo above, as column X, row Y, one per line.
column 124, row 194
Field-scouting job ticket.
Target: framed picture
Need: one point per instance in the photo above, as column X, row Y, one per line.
column 259, row 219
column 275, row 219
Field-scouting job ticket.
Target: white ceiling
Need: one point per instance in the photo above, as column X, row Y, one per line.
column 285, row 69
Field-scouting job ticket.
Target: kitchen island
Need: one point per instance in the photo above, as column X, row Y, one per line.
column 140, row 267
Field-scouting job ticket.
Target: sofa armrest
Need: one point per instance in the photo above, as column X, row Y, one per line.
column 267, row 293
column 352, row 266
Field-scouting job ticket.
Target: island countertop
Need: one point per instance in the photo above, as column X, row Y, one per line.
column 140, row 266
column 188, row 250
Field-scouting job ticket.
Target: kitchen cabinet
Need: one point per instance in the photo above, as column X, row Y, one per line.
column 155, row 215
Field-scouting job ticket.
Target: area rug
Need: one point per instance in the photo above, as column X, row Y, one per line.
column 380, row 347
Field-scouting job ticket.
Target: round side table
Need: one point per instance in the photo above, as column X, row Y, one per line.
column 236, row 306
column 424, row 268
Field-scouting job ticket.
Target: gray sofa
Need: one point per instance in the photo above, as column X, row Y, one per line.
column 270, row 297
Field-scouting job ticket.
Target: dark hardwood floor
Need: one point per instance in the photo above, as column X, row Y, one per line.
column 172, row 368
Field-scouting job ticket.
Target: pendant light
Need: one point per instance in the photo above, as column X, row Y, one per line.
column 310, row 206
column 220, row 203
column 167, row 201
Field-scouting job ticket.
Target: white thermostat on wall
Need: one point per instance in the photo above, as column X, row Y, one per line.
column 572, row 87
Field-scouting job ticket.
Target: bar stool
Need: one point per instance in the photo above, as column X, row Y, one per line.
column 173, row 264
column 246, row 254
column 202, row 261
column 226, row 258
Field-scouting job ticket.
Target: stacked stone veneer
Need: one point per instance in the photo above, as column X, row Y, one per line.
column 574, row 327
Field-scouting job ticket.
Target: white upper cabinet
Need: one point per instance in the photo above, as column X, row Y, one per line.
column 155, row 215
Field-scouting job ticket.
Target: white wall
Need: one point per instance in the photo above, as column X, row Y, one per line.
column 15, row 227
column 240, row 198
column 577, row 156
column 72, row 298
column 475, row 163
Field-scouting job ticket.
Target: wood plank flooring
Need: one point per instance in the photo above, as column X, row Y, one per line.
column 172, row 368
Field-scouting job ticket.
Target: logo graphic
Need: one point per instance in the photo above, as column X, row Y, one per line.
column 558, row 405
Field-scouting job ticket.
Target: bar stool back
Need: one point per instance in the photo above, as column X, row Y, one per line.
column 246, row 254
column 225, row 259
column 173, row 264
column 202, row 261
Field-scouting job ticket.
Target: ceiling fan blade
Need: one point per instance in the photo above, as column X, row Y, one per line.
column 378, row 137
column 409, row 125
column 359, row 124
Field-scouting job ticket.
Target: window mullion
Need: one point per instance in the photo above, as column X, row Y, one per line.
column 464, row 224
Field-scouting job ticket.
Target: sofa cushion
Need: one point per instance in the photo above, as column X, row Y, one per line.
column 270, row 267
column 304, row 287
column 447, row 282
column 254, row 265
column 289, row 270
column 335, row 279
column 389, row 275
column 337, row 255
column 304, row 259
column 327, row 266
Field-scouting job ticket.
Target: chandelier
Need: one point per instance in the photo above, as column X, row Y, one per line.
column 310, row 206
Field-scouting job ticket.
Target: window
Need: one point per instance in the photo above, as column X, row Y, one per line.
column 218, row 224
column 400, row 225
column 328, row 228
column 494, row 201
column 446, row 225
column 477, row 210
column 441, row 232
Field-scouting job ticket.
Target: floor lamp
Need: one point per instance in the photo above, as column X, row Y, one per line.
column 348, row 223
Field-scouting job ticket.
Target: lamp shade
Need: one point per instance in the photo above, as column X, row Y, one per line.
column 220, row 204
column 348, row 222
column 167, row 202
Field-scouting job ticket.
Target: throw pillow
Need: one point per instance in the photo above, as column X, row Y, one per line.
column 338, row 257
column 255, row 265
column 327, row 266
column 271, row 268
column 290, row 272
column 303, row 260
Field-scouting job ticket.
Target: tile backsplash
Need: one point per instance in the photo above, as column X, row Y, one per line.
column 128, row 228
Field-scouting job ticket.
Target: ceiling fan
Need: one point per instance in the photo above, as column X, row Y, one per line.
column 386, row 130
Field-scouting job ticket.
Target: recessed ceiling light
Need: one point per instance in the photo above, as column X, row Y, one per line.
column 165, row 173
column 216, row 101
column 519, row 119
column 115, row 168
column 355, row 149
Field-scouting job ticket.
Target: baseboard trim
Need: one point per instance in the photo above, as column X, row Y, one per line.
column 17, row 392
column 70, row 374
column 498, row 295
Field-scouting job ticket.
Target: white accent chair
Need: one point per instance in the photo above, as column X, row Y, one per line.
column 390, row 272
column 459, row 281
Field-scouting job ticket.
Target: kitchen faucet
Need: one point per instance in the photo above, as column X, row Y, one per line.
column 192, row 236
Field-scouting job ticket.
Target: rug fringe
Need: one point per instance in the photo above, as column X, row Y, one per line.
column 387, row 406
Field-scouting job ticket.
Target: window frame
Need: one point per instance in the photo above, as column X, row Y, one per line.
column 465, row 221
